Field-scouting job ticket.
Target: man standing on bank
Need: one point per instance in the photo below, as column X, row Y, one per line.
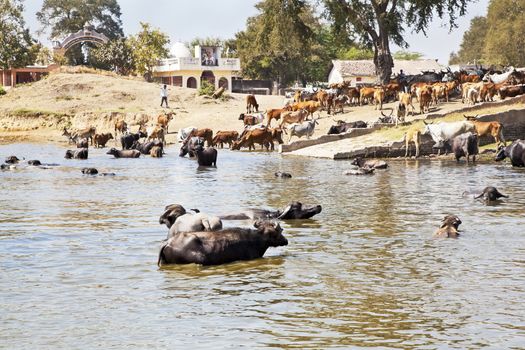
column 164, row 95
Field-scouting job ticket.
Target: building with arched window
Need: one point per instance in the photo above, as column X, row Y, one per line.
column 186, row 70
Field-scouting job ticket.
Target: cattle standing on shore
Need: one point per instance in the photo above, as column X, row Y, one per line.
column 412, row 135
column 305, row 129
column 251, row 104
column 444, row 131
column 163, row 121
column 495, row 129
column 222, row 137
column 120, row 126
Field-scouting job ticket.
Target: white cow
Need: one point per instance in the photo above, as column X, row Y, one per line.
column 304, row 129
column 184, row 133
column 443, row 131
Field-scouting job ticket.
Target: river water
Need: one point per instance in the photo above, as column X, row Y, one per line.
column 78, row 256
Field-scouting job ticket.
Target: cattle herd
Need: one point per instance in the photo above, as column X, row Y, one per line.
column 196, row 237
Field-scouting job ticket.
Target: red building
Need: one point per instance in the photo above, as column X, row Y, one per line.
column 14, row 76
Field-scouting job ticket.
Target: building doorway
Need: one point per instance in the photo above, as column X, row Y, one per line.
column 192, row 83
column 208, row 76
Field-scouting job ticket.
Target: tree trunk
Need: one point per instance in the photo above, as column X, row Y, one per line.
column 383, row 57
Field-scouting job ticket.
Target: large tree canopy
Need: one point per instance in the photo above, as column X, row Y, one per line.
column 505, row 39
column 471, row 49
column 15, row 41
column 66, row 17
column 377, row 23
column 148, row 47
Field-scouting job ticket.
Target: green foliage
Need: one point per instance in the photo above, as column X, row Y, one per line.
column 504, row 41
column 407, row 55
column 15, row 40
column 2, row 91
column 148, row 46
column 378, row 23
column 356, row 53
column 206, row 88
column 277, row 43
column 44, row 56
column 117, row 55
column 67, row 17
column 473, row 43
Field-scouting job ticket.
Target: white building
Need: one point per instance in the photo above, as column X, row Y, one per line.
column 187, row 70
column 363, row 71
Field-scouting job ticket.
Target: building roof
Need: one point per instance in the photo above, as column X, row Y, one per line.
column 179, row 50
column 366, row 67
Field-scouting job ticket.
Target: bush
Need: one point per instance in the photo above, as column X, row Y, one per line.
column 206, row 88
column 2, row 91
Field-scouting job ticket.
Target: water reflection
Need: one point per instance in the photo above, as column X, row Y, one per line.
column 78, row 256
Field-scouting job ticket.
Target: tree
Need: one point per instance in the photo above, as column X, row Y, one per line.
column 356, row 53
column 504, row 41
column 407, row 55
column 116, row 55
column 379, row 22
column 473, row 42
column 15, row 41
column 44, row 56
column 149, row 46
column 67, row 17
column 276, row 41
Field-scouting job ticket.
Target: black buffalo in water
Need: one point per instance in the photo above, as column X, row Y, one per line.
column 145, row 147
column 370, row 163
column 490, row 194
column 189, row 145
column 465, row 145
column 220, row 247
column 131, row 153
column 206, row 157
column 12, row 160
column 342, row 127
column 127, row 140
column 82, row 153
column 293, row 211
column 515, row 152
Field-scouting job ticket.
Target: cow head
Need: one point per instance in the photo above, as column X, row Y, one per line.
column 113, row 151
column 171, row 213
column 272, row 233
column 501, row 154
column 236, row 145
column 295, row 210
column 451, row 221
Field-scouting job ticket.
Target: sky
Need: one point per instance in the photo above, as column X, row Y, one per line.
column 185, row 20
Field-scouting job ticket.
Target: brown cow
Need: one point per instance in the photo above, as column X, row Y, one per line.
column 157, row 133
column 101, row 139
column 425, row 98
column 353, row 94
column 222, row 137
column 379, row 97
column 261, row 136
column 412, row 135
column 275, row 113
column 439, row 90
column 293, row 117
column 163, row 120
column 251, row 103
column 404, row 107
column 391, row 90
column 495, row 129
column 206, row 134
column 511, row 91
column 120, row 126
column 366, row 93
column 86, row 133
column 156, row 152
column 310, row 106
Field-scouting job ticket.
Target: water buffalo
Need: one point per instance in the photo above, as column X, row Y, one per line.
column 449, row 227
column 34, row 162
column 342, row 127
column 189, row 145
column 177, row 219
column 89, row 171
column 293, row 211
column 206, row 157
column 370, row 163
column 283, row 175
column 128, row 139
column 145, row 147
column 12, row 160
column 360, row 171
column 220, row 247
column 515, row 152
column 465, row 145
column 132, row 153
column 156, row 152
column 490, row 194
column 79, row 154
